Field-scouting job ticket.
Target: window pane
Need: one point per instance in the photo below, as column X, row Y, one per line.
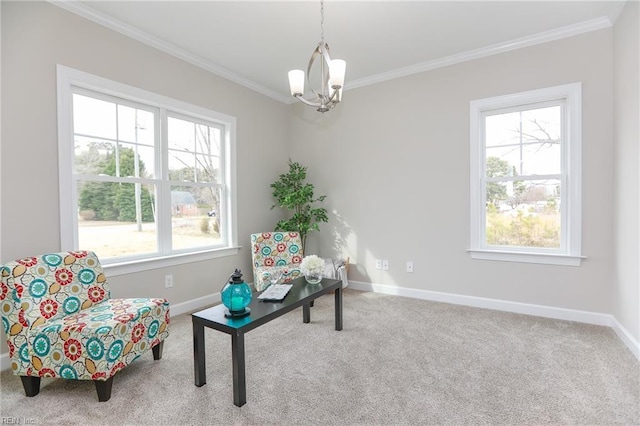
column 497, row 192
column 181, row 166
column 195, row 218
column 207, row 139
column 528, row 125
column 502, row 129
column 524, row 160
column 126, row 123
column 94, row 117
column 91, row 156
column 541, row 124
column 541, row 158
column 194, row 151
column 203, row 143
column 181, row 134
column 135, row 125
column 208, row 168
column 136, row 161
column 116, row 219
column 528, row 140
column 523, row 213
column 216, row 137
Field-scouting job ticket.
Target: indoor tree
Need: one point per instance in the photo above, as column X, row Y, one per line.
column 293, row 193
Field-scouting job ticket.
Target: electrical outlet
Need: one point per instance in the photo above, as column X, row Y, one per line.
column 385, row 265
column 168, row 281
column 409, row 266
column 378, row 264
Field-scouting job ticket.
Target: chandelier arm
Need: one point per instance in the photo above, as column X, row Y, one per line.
column 321, row 50
column 325, row 52
column 306, row 102
column 334, row 98
column 326, row 73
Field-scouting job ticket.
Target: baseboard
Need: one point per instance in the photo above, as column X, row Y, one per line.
column 5, row 362
column 175, row 309
column 586, row 317
column 626, row 337
column 194, row 304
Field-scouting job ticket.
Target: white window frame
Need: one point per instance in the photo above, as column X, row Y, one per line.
column 67, row 80
column 570, row 251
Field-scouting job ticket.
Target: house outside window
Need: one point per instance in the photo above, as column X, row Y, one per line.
column 145, row 180
column 526, row 176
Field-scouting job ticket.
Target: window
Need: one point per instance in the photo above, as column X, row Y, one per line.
column 145, row 180
column 526, row 176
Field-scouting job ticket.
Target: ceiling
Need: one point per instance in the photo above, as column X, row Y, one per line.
column 255, row 43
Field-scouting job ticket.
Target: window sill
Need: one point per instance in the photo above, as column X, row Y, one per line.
column 139, row 265
column 524, row 257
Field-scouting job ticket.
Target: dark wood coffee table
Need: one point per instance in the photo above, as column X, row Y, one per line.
column 301, row 294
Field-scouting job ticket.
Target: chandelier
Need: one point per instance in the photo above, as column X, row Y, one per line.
column 331, row 74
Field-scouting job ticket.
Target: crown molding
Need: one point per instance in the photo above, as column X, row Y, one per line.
column 568, row 31
column 613, row 16
column 86, row 12
column 495, row 49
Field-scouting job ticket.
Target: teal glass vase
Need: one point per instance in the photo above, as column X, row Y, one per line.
column 236, row 296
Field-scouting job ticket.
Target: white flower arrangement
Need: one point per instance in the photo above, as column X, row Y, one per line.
column 312, row 264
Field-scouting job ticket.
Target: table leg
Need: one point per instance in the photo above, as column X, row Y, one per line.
column 198, row 354
column 338, row 303
column 239, row 378
column 306, row 313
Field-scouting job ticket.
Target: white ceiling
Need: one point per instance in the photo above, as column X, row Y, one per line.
column 255, row 43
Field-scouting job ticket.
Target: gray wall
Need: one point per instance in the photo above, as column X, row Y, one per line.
column 35, row 37
column 626, row 296
column 394, row 162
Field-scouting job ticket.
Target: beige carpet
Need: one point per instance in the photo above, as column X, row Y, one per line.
column 397, row 361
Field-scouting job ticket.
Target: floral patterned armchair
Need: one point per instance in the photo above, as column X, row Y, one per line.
column 275, row 251
column 61, row 322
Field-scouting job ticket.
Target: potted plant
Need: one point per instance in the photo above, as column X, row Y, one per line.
column 292, row 192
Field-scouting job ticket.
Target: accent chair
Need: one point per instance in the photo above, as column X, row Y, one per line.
column 273, row 251
column 60, row 321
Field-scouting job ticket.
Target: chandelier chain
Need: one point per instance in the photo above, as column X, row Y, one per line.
column 322, row 20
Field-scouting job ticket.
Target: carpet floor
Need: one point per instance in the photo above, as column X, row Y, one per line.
column 398, row 361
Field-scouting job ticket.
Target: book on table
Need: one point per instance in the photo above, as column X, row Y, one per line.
column 275, row 292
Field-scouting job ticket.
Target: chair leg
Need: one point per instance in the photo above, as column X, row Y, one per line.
column 31, row 385
column 157, row 351
column 103, row 387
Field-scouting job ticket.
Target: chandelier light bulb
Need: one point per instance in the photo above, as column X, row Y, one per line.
column 296, row 82
column 337, row 69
